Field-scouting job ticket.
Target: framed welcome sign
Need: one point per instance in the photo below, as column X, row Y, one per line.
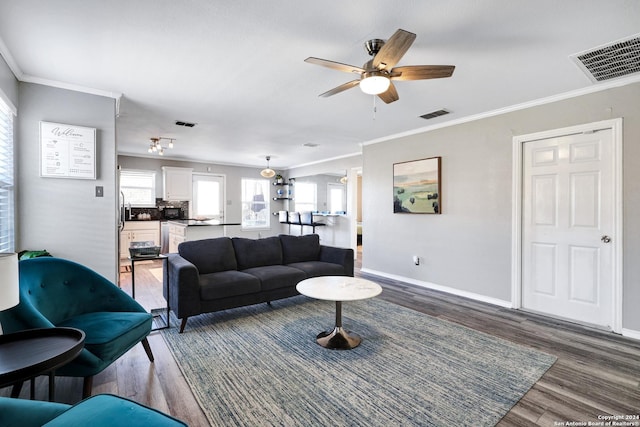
column 416, row 186
column 67, row 151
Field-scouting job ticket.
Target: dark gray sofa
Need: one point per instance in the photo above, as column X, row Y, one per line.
column 217, row 274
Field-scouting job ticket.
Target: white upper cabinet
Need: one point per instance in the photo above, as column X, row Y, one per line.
column 176, row 183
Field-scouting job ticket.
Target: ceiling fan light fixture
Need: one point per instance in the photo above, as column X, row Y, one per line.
column 374, row 83
column 268, row 172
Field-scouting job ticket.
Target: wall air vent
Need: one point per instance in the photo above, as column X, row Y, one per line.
column 434, row 114
column 618, row 59
column 185, row 124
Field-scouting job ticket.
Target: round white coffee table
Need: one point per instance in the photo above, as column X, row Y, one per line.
column 338, row 289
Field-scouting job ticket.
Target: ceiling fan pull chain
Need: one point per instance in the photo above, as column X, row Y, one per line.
column 375, row 109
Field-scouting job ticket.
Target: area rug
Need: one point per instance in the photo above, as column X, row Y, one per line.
column 260, row 366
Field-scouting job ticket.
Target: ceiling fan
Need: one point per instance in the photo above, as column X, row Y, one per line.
column 376, row 75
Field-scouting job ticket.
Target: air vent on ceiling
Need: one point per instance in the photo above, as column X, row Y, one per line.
column 185, row 124
column 617, row 59
column 434, row 114
column 310, row 144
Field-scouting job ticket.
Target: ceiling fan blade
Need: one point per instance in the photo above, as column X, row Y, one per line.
column 421, row 72
column 393, row 50
column 340, row 88
column 390, row 95
column 334, row 65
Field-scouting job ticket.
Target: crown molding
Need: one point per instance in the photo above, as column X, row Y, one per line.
column 8, row 58
column 516, row 107
column 69, row 86
column 22, row 77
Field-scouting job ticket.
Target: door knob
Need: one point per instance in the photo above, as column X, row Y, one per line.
column 605, row 239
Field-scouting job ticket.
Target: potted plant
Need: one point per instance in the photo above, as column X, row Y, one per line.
column 279, row 179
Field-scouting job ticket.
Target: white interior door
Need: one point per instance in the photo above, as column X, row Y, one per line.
column 567, row 225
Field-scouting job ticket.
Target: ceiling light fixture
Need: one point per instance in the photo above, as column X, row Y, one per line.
column 268, row 172
column 156, row 147
column 374, row 83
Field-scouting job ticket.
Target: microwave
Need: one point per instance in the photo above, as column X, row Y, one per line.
column 172, row 213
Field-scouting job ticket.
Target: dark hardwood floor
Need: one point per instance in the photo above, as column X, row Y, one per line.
column 597, row 374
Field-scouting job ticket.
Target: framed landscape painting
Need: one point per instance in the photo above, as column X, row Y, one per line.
column 416, row 186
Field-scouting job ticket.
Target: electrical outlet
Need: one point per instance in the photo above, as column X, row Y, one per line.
column 99, row 191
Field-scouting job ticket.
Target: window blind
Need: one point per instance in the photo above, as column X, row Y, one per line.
column 138, row 187
column 7, row 190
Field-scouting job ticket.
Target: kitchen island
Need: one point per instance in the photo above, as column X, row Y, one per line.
column 182, row 230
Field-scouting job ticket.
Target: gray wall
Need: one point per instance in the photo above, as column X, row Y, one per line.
column 468, row 247
column 63, row 216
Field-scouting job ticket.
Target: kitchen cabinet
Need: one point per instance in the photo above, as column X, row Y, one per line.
column 138, row 231
column 177, row 235
column 176, row 183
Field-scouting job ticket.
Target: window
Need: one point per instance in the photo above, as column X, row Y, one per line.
column 306, row 196
column 7, row 190
column 255, row 203
column 138, row 187
column 208, row 196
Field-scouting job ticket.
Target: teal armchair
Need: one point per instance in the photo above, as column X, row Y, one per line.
column 55, row 292
column 102, row 410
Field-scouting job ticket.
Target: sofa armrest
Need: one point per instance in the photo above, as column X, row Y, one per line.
column 342, row 256
column 184, row 287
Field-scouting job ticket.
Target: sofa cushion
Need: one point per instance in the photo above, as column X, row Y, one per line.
column 319, row 268
column 257, row 252
column 224, row 284
column 276, row 276
column 300, row 248
column 209, row 255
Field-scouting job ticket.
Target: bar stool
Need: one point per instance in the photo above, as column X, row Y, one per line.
column 306, row 218
column 294, row 218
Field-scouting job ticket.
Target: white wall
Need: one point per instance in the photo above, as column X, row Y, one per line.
column 468, row 247
column 63, row 216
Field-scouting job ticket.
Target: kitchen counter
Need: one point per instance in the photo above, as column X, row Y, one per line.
column 182, row 230
column 197, row 223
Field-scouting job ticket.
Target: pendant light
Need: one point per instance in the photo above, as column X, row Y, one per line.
column 268, row 172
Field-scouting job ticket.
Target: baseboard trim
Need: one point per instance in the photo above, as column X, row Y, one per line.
column 630, row 333
column 436, row 287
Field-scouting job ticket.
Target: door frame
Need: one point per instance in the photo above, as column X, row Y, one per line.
column 615, row 125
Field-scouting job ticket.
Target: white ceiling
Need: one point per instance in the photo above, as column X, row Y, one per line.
column 236, row 68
